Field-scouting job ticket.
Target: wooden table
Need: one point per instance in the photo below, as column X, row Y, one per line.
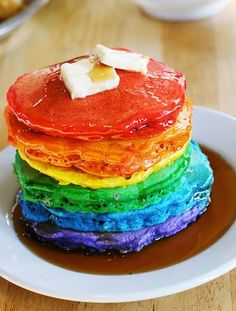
column 205, row 51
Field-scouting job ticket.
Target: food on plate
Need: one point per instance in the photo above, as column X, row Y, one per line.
column 10, row 7
column 104, row 154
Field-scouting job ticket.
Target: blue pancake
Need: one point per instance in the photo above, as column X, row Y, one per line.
column 122, row 242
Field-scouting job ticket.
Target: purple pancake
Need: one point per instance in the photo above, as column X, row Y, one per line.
column 122, row 242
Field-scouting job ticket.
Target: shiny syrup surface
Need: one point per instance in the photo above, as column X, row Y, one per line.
column 195, row 238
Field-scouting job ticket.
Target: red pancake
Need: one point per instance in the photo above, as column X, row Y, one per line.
column 141, row 106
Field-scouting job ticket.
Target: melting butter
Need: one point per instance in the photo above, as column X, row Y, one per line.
column 101, row 72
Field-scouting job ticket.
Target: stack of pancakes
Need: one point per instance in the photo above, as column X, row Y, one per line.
column 112, row 171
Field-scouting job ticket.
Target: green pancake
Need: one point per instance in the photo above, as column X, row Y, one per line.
column 38, row 187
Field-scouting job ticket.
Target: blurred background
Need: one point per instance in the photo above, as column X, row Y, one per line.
column 205, row 50
column 197, row 37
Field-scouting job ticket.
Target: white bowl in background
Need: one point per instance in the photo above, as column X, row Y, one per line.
column 180, row 10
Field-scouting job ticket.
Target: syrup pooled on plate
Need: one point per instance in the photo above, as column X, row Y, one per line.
column 218, row 217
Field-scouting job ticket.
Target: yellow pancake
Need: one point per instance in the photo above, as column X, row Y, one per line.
column 67, row 176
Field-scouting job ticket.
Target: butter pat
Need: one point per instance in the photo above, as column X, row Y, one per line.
column 121, row 59
column 94, row 75
column 85, row 78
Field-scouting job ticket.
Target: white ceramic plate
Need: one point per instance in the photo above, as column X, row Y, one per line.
column 18, row 265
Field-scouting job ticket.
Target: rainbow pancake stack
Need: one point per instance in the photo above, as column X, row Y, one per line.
column 115, row 170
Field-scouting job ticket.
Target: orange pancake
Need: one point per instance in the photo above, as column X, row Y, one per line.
column 104, row 158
